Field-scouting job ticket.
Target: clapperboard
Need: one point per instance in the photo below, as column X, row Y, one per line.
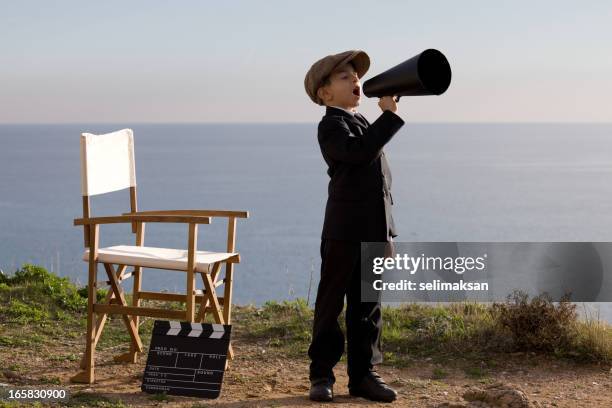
column 186, row 358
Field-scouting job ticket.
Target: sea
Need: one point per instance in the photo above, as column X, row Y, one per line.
column 498, row 182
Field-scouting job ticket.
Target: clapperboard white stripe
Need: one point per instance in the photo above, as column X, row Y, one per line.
column 175, row 328
column 195, row 330
column 218, row 331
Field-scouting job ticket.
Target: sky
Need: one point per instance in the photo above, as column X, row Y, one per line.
column 245, row 61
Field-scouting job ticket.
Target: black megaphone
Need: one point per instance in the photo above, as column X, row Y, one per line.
column 428, row 73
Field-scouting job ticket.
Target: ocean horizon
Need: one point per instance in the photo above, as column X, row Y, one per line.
column 485, row 182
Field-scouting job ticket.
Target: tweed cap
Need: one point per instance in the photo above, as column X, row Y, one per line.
column 319, row 71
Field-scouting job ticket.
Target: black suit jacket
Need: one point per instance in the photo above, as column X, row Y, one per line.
column 359, row 202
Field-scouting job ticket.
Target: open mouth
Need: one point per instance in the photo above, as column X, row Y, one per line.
column 356, row 91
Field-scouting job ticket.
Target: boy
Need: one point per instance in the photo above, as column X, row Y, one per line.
column 358, row 209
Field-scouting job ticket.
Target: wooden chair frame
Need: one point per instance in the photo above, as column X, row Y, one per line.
column 115, row 302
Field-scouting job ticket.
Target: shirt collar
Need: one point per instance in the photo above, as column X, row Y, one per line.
column 346, row 110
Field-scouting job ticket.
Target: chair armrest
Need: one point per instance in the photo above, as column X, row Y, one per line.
column 206, row 213
column 187, row 219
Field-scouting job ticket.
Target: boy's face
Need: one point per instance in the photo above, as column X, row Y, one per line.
column 344, row 88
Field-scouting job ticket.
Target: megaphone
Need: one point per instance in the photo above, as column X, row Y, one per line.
column 428, row 73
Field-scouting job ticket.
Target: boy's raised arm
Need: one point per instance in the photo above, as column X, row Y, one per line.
column 339, row 143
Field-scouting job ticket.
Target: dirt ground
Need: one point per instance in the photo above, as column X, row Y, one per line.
column 256, row 378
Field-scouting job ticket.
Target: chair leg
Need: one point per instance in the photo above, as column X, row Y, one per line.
column 211, row 297
column 227, row 300
column 87, row 376
column 127, row 357
column 202, row 312
column 100, row 321
column 136, row 343
column 209, row 282
column 204, row 304
column 132, row 355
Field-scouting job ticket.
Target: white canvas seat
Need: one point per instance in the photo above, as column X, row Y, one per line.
column 160, row 258
column 107, row 165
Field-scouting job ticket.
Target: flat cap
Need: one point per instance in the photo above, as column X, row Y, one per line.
column 325, row 66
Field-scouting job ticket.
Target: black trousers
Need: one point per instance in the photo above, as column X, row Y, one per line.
column 340, row 276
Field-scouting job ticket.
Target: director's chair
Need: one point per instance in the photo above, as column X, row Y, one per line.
column 107, row 165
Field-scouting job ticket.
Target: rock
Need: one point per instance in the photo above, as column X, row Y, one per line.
column 498, row 396
column 11, row 374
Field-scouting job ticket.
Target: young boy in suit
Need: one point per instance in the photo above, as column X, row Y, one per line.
column 358, row 210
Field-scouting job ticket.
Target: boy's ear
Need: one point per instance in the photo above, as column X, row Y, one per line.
column 322, row 93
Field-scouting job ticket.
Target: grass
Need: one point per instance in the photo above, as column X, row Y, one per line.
column 593, row 339
column 90, row 399
column 32, row 301
column 436, row 331
column 475, row 372
column 79, row 399
column 162, row 396
column 284, row 326
column 439, row 373
column 441, row 333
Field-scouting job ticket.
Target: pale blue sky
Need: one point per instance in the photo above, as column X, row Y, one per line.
column 199, row 61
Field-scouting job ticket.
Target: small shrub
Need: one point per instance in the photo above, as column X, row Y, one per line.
column 439, row 373
column 100, row 293
column 41, row 284
column 537, row 324
column 475, row 372
column 25, row 313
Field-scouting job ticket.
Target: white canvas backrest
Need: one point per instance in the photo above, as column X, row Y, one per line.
column 107, row 162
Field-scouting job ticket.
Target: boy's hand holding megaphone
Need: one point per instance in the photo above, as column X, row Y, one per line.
column 388, row 103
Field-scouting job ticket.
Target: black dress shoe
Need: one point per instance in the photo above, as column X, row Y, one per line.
column 321, row 390
column 373, row 388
